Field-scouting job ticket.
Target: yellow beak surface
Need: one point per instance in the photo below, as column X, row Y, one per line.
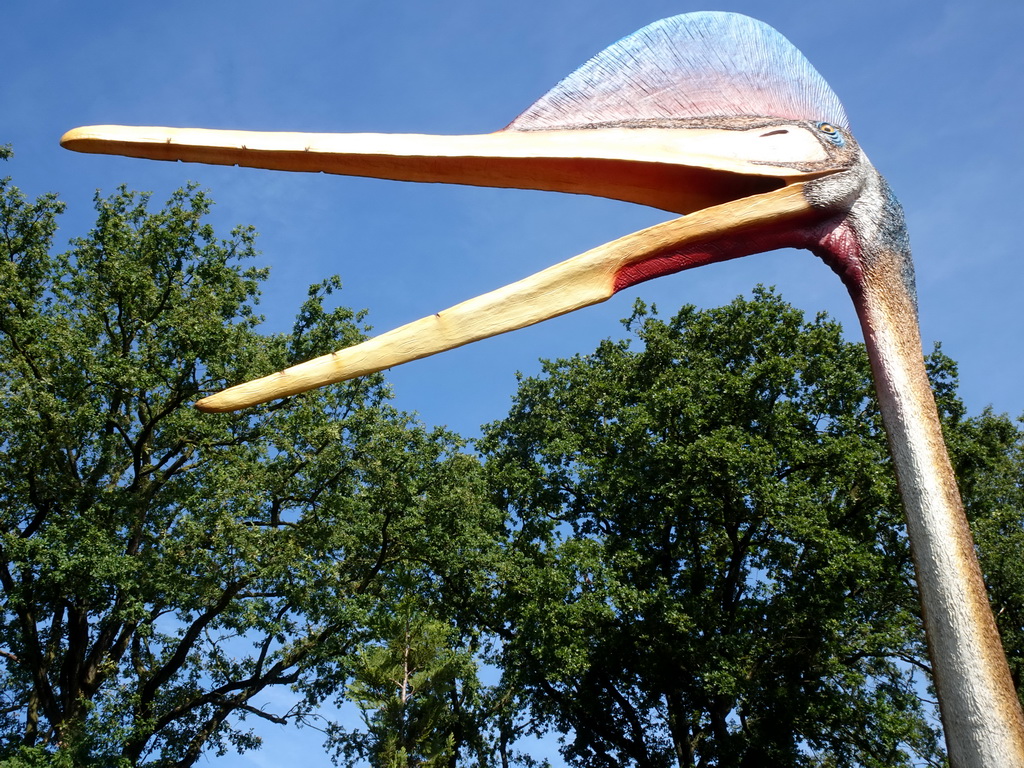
column 734, row 183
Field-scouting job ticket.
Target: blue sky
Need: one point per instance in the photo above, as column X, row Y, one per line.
column 932, row 90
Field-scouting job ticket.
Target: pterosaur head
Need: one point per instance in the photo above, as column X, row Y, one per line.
column 712, row 115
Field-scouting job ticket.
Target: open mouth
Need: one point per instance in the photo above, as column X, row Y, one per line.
column 737, row 185
column 712, row 115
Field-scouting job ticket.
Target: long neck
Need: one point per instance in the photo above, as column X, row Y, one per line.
column 980, row 711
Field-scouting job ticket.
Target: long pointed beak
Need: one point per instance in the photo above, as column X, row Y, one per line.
column 738, row 185
column 675, row 169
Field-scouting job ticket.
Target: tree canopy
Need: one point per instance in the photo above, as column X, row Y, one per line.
column 710, row 559
column 163, row 570
column 683, row 549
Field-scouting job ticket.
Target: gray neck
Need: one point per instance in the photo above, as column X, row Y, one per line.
column 867, row 245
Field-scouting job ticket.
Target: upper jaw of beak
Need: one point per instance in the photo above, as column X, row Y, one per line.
column 678, row 169
column 736, row 185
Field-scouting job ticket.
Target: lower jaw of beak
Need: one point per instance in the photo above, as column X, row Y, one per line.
column 761, row 222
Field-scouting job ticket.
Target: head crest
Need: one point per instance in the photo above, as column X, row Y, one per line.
column 690, row 66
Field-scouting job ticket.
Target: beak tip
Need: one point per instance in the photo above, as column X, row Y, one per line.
column 77, row 139
column 213, row 404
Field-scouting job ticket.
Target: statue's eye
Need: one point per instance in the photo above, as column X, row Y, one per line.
column 832, row 133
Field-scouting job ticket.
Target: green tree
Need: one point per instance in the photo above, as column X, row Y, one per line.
column 708, row 562
column 164, row 570
column 415, row 689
